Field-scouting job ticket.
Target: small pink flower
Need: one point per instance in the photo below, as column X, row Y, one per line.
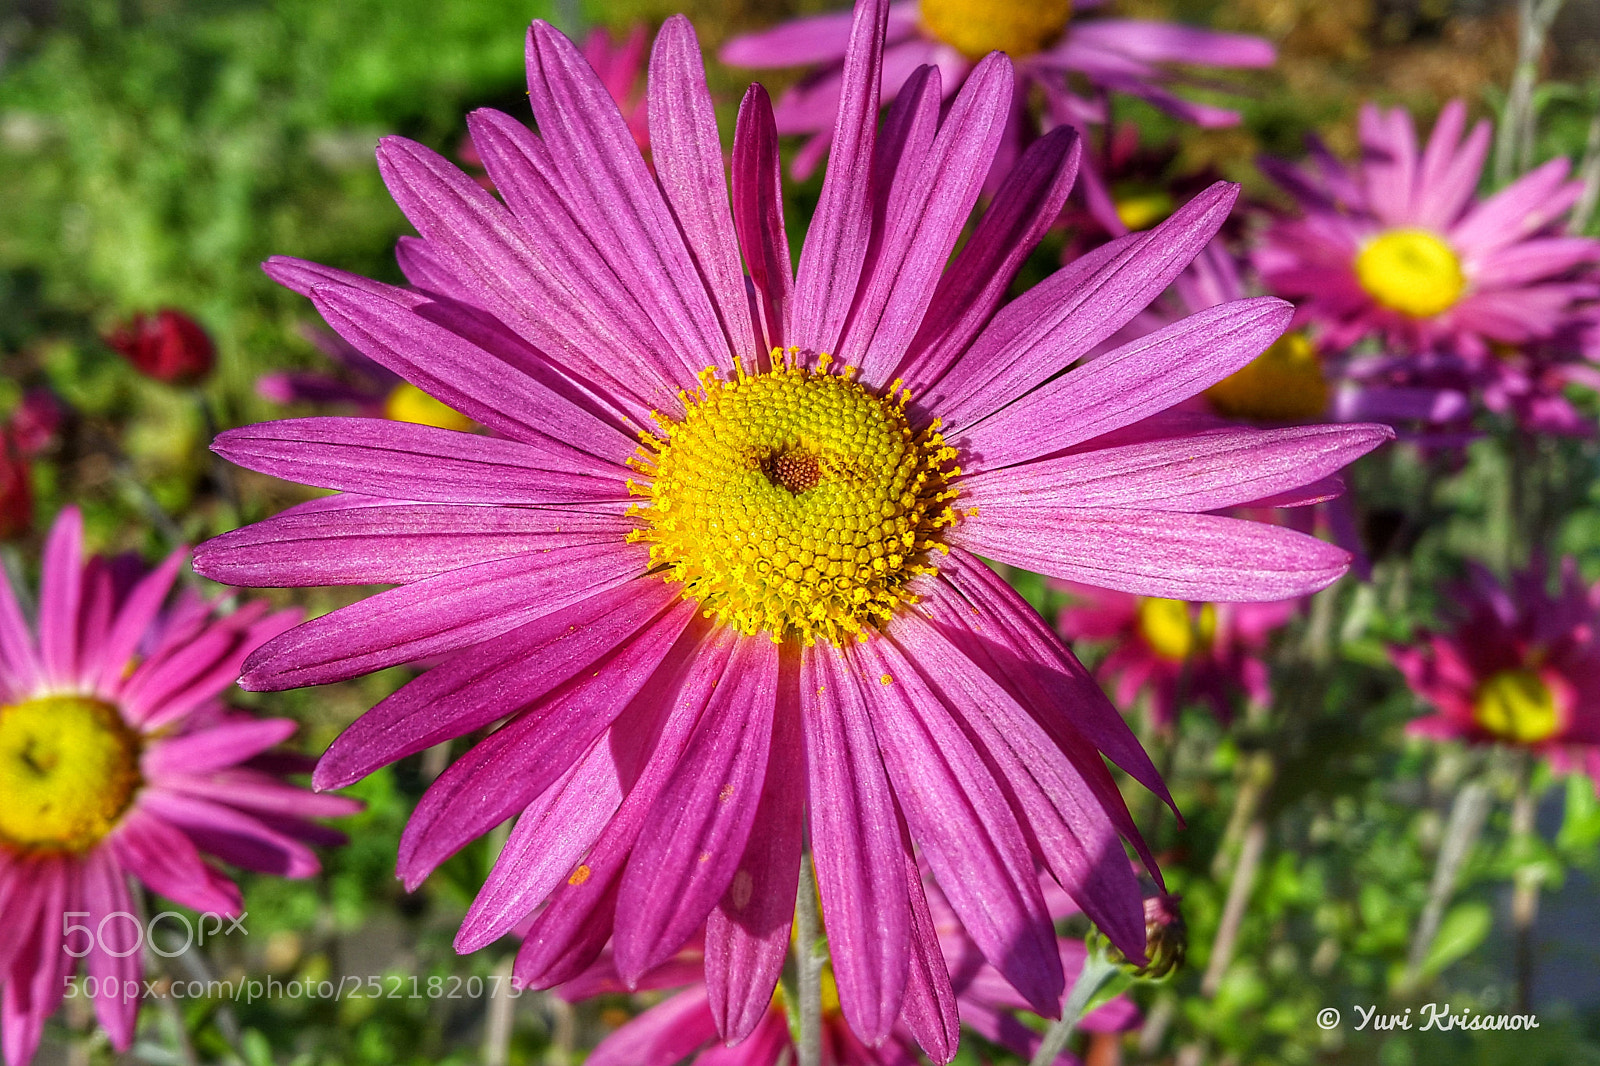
column 1401, row 247
column 1521, row 668
column 118, row 759
column 1175, row 651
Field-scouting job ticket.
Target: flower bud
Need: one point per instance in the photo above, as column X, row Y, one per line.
column 1166, row 940
column 168, row 346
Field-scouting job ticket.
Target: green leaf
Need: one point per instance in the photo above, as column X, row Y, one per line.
column 1462, row 930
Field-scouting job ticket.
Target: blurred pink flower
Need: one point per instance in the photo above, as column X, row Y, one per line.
column 168, row 346
column 1175, row 651
column 1521, row 668
column 1400, row 246
column 118, row 759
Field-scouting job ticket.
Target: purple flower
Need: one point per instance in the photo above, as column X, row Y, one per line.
column 718, row 576
column 1521, row 667
column 119, row 760
column 1052, row 42
column 1172, row 650
column 1401, row 247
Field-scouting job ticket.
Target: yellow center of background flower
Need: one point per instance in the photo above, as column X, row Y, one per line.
column 1173, row 631
column 1282, row 384
column 407, row 403
column 796, row 502
column 69, row 767
column 1139, row 209
column 1517, row 705
column 977, row 27
column 1411, row 271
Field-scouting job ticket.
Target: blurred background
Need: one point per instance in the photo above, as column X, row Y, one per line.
column 154, row 152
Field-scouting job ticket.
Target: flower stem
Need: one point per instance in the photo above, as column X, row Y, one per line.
column 1514, row 148
column 1525, row 885
column 1467, row 813
column 808, row 967
column 1239, row 887
column 1096, row 971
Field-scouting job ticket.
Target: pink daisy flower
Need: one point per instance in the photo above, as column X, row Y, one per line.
column 1521, row 668
column 1175, row 651
column 1071, row 53
column 1401, row 247
column 718, row 574
column 685, row 1023
column 118, row 760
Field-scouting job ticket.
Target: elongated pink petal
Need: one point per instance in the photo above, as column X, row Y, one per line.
column 758, row 213
column 688, row 159
column 114, row 961
column 836, row 244
column 1155, row 553
column 1200, row 472
column 747, row 934
column 507, row 770
column 217, row 747
column 678, row 873
column 1140, row 378
column 966, row 829
column 552, row 834
column 231, row 835
column 404, row 461
column 163, row 858
column 930, row 1010
column 855, row 836
column 438, row 614
column 661, row 1036
column 486, row 683
column 60, row 594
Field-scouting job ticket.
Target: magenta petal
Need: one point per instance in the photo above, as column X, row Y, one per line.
column 404, row 461
column 164, row 859
column 509, row 768
column 1139, row 379
column 747, row 934
column 438, row 614
column 1199, row 472
column 569, row 934
column 395, row 544
column 483, row 684
column 855, row 837
column 551, row 835
column 1156, row 553
column 976, row 282
column 966, row 829
column 688, row 159
column 758, row 213
column 232, row 835
column 114, row 962
column 41, row 962
column 663, row 1035
column 930, row 1010
column 836, row 244
column 216, row 747
column 60, row 592
column 678, row 872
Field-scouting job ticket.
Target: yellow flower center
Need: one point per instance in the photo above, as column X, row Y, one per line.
column 1411, row 271
column 69, row 767
column 1174, row 630
column 795, row 502
column 407, row 403
column 1282, row 384
column 977, row 27
column 1517, row 705
column 1141, row 209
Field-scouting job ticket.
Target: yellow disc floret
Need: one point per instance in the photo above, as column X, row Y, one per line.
column 1173, row 629
column 1518, row 706
column 977, row 27
column 407, row 403
column 1282, row 384
column 1411, row 271
column 797, row 502
column 69, row 767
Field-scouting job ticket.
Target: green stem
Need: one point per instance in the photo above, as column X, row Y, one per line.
column 1097, row 970
column 1467, row 813
column 808, row 967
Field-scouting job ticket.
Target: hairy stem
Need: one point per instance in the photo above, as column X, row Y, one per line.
column 808, row 966
column 1096, row 971
column 1467, row 813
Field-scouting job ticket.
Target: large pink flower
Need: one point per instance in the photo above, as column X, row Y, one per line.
column 1176, row 651
column 118, row 760
column 1400, row 246
column 718, row 572
column 1521, row 667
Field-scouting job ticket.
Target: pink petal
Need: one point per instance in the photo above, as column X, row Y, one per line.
column 758, row 213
